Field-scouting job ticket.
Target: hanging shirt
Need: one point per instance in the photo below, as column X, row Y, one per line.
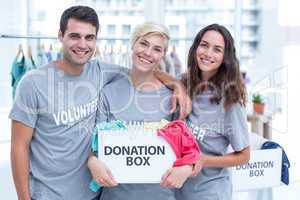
column 18, row 69
column 169, row 65
column 59, row 55
column 41, row 58
column 176, row 62
column 30, row 64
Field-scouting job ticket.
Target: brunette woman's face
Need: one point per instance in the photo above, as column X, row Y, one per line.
column 210, row 53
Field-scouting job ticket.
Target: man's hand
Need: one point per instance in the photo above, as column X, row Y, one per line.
column 175, row 177
column 100, row 172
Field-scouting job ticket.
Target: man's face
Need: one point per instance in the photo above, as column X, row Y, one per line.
column 78, row 42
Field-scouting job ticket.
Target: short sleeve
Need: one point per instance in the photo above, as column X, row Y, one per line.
column 111, row 72
column 236, row 128
column 25, row 106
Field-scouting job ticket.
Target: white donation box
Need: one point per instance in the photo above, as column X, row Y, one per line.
column 135, row 156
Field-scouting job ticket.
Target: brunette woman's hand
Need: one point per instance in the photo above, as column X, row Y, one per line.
column 176, row 176
column 199, row 165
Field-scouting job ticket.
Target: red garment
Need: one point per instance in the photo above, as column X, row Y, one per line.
column 182, row 141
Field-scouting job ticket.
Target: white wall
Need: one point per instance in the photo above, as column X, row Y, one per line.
column 13, row 21
column 13, row 15
column 269, row 55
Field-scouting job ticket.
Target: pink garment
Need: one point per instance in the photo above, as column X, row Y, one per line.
column 182, row 141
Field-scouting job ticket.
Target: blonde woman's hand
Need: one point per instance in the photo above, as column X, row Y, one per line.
column 100, row 172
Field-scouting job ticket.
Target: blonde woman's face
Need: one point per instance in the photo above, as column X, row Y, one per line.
column 148, row 51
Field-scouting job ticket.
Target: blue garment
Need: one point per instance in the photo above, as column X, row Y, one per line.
column 29, row 64
column 49, row 56
column 18, row 69
column 59, row 55
column 41, row 58
column 114, row 125
column 285, row 161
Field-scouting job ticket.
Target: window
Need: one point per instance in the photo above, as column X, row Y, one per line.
column 126, row 29
column 111, row 30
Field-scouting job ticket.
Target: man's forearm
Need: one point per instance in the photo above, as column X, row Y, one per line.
column 20, row 170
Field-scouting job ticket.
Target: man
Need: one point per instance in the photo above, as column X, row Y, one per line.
column 54, row 114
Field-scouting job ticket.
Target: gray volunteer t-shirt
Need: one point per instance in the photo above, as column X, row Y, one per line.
column 121, row 101
column 62, row 110
column 214, row 130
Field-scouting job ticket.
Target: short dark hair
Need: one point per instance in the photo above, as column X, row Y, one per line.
column 81, row 13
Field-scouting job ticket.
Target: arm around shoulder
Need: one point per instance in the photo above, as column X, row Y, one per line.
column 180, row 95
column 111, row 72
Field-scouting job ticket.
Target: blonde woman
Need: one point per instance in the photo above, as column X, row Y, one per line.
column 139, row 96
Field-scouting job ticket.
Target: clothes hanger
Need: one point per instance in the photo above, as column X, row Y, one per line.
column 29, row 54
column 29, row 51
column 20, row 51
column 97, row 52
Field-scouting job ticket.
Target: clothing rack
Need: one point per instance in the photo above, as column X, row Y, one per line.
column 27, row 37
column 49, row 37
column 6, row 36
column 117, row 53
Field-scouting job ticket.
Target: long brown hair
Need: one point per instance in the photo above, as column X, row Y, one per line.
column 226, row 82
